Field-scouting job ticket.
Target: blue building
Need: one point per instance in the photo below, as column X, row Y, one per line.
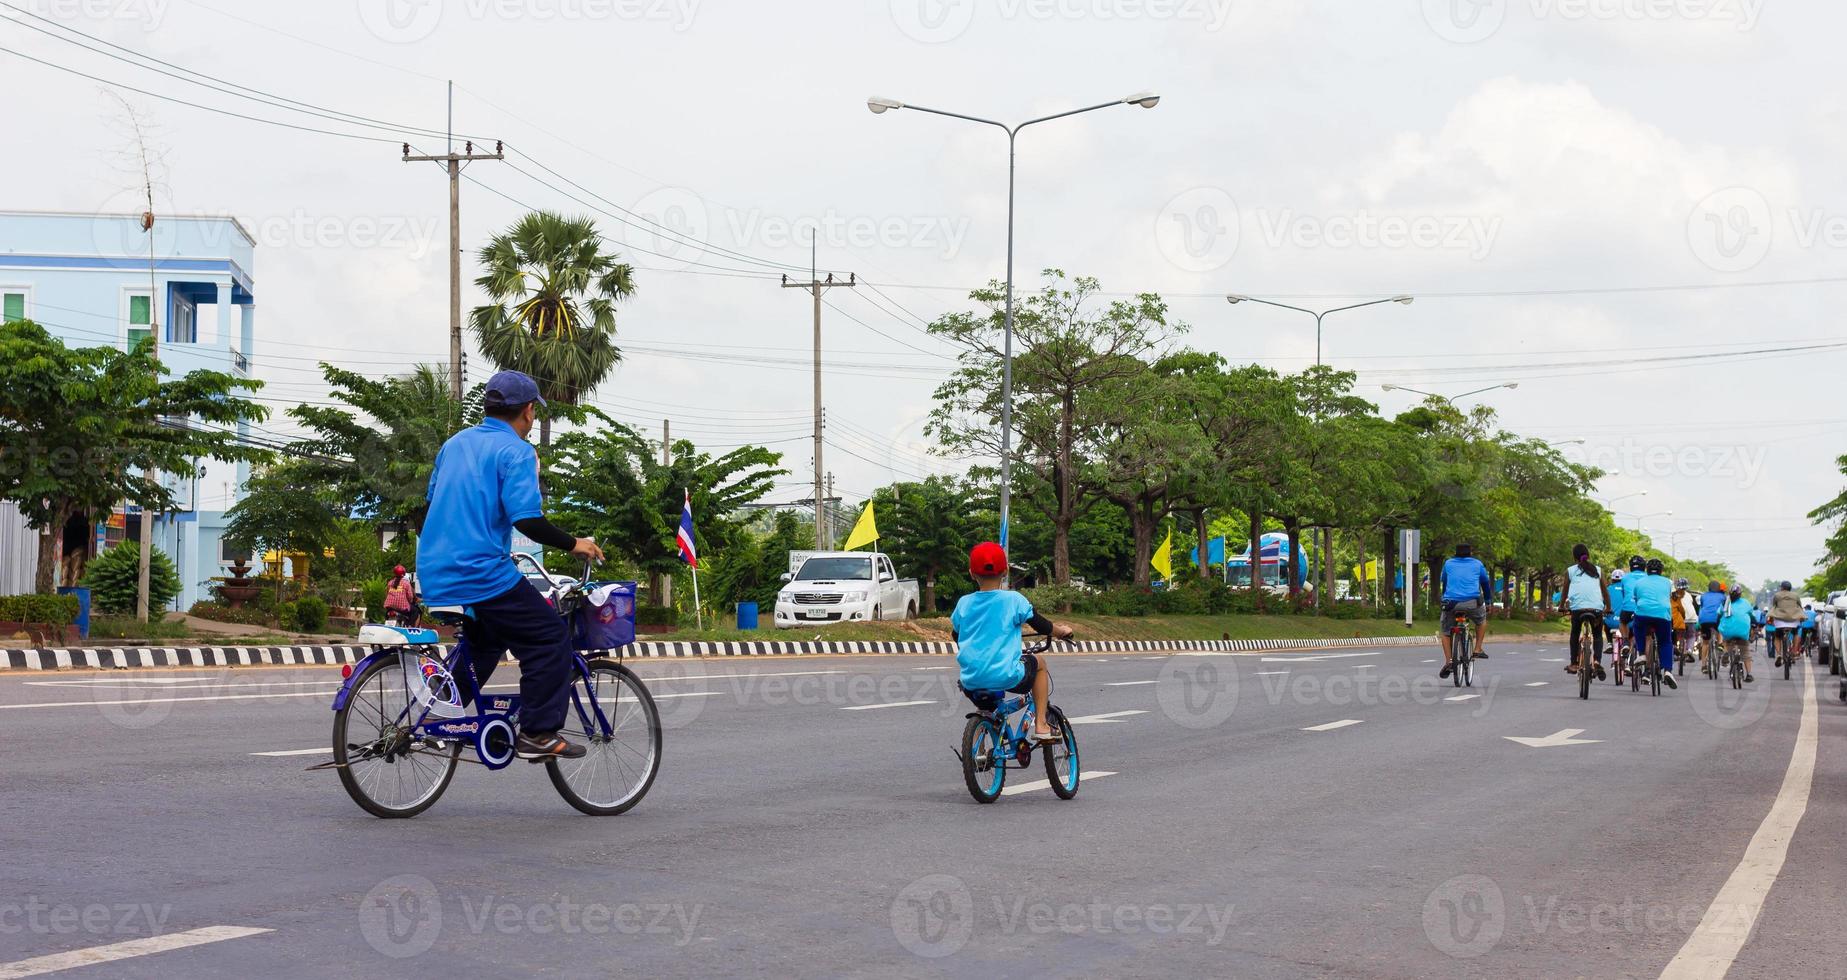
column 100, row 279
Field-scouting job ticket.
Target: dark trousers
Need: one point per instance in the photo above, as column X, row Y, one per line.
column 522, row 621
column 1657, row 633
column 1581, row 618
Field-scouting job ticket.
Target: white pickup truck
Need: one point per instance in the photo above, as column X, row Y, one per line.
column 838, row 587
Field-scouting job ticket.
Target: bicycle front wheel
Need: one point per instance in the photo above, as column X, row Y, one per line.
column 387, row 769
column 983, row 769
column 614, row 716
column 1061, row 765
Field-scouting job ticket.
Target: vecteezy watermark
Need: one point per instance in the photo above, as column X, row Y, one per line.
column 1633, row 457
column 403, row 916
column 145, row 14
column 938, row 21
column 937, row 915
column 298, row 229
column 1200, row 229
column 1735, row 229
column 41, row 918
column 677, row 224
column 1470, row 21
column 409, row 21
column 1467, row 916
column 1195, row 692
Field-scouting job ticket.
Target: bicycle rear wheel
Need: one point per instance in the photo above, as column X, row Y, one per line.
column 623, row 747
column 386, row 768
column 1586, row 668
column 1061, row 765
column 982, row 767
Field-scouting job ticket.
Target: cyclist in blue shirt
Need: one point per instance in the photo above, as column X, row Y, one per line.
column 1737, row 620
column 986, row 627
column 1711, row 605
column 485, row 484
column 1653, row 625
column 1588, row 598
column 1465, row 586
column 1806, row 635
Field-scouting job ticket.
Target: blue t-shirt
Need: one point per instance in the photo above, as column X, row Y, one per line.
column 1465, row 578
column 1735, row 620
column 1808, row 619
column 1586, row 590
column 486, row 478
column 987, row 626
column 1759, row 617
column 1652, row 595
column 1711, row 604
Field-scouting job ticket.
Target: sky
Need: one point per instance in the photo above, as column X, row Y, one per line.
column 1630, row 209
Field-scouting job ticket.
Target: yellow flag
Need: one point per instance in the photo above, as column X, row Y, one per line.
column 1163, row 560
column 865, row 531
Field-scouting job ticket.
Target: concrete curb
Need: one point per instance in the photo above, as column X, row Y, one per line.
column 125, row 658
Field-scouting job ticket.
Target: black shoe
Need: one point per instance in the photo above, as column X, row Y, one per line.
column 1667, row 677
column 1600, row 674
column 538, row 748
column 1748, row 679
column 1481, row 655
column 1447, row 670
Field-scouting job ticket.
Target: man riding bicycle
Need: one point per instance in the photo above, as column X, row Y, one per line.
column 1785, row 615
column 485, row 484
column 1653, row 625
column 1735, row 626
column 1465, row 586
column 1711, row 606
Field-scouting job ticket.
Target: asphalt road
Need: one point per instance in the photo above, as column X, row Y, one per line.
column 1240, row 831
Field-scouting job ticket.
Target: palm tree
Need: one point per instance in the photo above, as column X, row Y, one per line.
column 553, row 314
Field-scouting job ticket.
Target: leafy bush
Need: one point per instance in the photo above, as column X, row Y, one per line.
column 58, row 610
column 310, row 614
column 1058, row 598
column 285, row 617
column 373, row 595
column 221, row 613
column 656, row 616
column 113, row 579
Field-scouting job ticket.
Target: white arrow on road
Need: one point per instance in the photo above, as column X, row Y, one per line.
column 1107, row 718
column 1564, row 736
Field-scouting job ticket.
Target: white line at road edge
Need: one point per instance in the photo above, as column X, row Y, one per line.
column 122, row 951
column 1015, row 788
column 287, row 752
column 1721, row 933
column 887, row 704
column 1330, row 726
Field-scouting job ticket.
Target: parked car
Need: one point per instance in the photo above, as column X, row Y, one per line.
column 838, row 587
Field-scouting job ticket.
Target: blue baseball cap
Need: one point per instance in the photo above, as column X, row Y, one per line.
column 510, row 388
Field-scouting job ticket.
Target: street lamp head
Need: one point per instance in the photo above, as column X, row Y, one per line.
column 1388, row 387
column 1234, row 299
column 1511, row 385
column 1146, row 100
column 879, row 104
column 1406, row 300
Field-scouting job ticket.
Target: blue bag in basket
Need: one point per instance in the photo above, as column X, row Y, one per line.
column 607, row 619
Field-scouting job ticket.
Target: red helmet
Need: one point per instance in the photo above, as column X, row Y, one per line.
column 987, row 559
column 398, row 570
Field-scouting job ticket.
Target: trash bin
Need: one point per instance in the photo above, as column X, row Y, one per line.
column 607, row 619
column 747, row 615
column 83, row 606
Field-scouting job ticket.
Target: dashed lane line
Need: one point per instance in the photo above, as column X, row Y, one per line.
column 113, row 952
column 883, row 704
column 1015, row 789
column 1332, row 725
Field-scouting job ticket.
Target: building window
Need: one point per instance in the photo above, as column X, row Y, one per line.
column 184, row 329
column 140, row 318
column 12, row 306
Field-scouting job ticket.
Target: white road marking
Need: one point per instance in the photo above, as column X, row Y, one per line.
column 1732, row 917
column 1108, row 718
column 113, row 681
column 1538, row 683
column 1553, row 660
column 1463, row 697
column 1431, row 661
column 1130, row 683
column 125, row 950
column 319, row 751
column 1564, row 736
column 1330, row 726
column 945, row 667
column 887, row 704
column 1318, row 656
column 1037, row 784
column 746, row 673
column 1265, row 673
column 200, row 697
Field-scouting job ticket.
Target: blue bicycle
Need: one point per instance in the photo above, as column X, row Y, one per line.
column 998, row 736
column 402, row 719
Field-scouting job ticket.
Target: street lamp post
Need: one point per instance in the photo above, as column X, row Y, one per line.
column 1236, row 298
column 1639, row 518
column 1673, row 540
column 878, row 105
column 1452, row 398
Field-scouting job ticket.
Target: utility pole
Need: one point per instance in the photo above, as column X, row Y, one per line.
column 454, row 161
column 666, row 581
column 829, row 543
column 814, row 285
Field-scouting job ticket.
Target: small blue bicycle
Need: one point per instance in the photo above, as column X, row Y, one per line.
column 998, row 736
column 402, row 718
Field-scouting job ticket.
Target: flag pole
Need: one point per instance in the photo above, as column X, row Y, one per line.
column 698, row 611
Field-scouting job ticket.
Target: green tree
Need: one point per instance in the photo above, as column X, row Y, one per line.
column 378, row 454
column 1065, row 350
column 285, row 510
column 81, row 429
column 553, row 314
column 114, row 579
column 1833, row 564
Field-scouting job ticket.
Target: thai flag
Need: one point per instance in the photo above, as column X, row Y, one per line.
column 685, row 538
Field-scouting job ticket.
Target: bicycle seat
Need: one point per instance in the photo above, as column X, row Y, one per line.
column 984, row 700
column 450, row 615
column 380, row 635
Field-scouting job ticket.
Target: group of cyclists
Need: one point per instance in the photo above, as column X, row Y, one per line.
column 1640, row 613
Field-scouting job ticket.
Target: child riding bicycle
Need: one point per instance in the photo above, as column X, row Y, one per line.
column 986, row 627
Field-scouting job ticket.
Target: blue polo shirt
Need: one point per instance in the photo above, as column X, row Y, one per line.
column 1465, row 578
column 1711, row 607
column 1652, row 595
column 987, row 626
column 485, row 478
